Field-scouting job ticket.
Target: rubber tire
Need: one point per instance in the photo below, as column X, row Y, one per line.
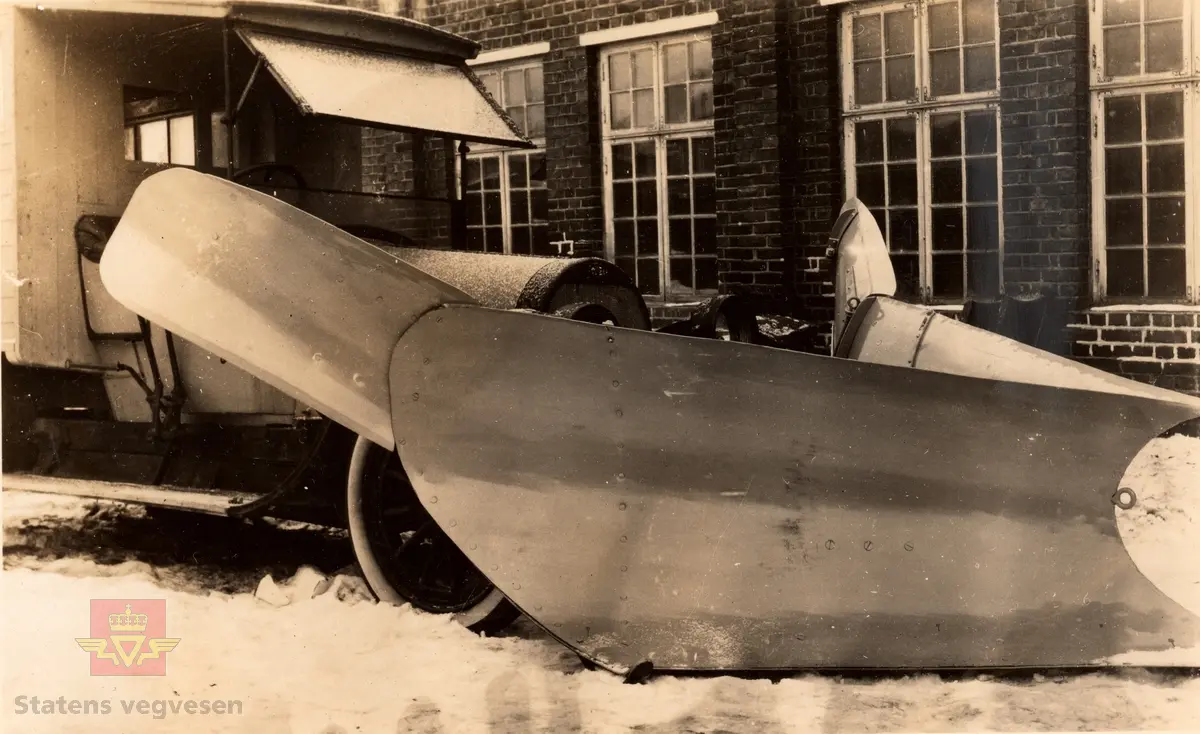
column 492, row 614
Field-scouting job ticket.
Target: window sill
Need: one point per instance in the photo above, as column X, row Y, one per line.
column 1144, row 308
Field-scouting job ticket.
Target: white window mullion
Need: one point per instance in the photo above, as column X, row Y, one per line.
column 1099, row 275
column 505, row 215
column 664, row 233
column 1191, row 126
column 924, row 211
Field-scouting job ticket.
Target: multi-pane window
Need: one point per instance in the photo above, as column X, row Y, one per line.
column 922, row 141
column 658, row 160
column 158, row 128
column 505, row 191
column 1145, row 87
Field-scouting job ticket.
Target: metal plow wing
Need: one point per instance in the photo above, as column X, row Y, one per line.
column 706, row 505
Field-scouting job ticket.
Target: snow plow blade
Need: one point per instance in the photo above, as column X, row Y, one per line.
column 708, row 505
column 692, row 503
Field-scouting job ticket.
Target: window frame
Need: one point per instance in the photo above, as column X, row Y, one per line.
column 1104, row 88
column 921, row 107
column 134, row 127
column 659, row 133
column 504, row 153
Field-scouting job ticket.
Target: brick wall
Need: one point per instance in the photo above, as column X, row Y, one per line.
column 1044, row 143
column 1157, row 347
column 813, row 183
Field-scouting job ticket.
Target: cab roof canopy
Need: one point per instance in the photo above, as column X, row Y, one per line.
column 356, row 65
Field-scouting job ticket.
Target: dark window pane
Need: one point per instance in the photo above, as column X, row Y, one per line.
column 898, row 32
column 868, row 185
column 706, row 273
column 647, row 198
column 947, row 276
column 522, row 241
column 706, row 235
column 981, row 132
column 494, row 237
column 902, row 185
column 943, row 73
column 647, row 235
column 1123, row 171
column 491, row 173
column 903, row 230
column 704, row 192
column 518, row 172
column 1164, row 116
column 983, row 275
column 676, row 102
column 474, row 206
column 1164, row 168
column 681, row 273
column 541, row 241
column 628, row 265
column 901, row 79
column 1123, row 221
column 518, row 207
column 902, row 139
column 868, row 82
column 947, row 230
column 702, row 155
column 1166, row 221
column 868, row 141
column 540, row 198
column 945, row 135
column 622, row 161
column 677, row 157
column 983, row 228
column 908, row 277
column 1123, row 119
column 1164, row 50
column 1125, row 276
column 1122, row 11
column 491, row 208
column 475, row 240
column 537, row 167
column 514, row 87
column 679, row 196
column 518, row 116
column 1167, row 272
column 647, row 276
column 644, row 162
column 979, row 21
column 680, row 231
column 702, row 101
column 947, row 181
column 868, row 37
column 472, row 173
column 1122, row 52
column 981, row 179
column 943, row 25
column 622, row 200
column 979, row 69
column 624, row 239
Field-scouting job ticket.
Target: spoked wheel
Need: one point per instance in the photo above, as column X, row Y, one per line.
column 405, row 556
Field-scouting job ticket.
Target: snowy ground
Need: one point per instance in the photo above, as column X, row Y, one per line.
column 307, row 650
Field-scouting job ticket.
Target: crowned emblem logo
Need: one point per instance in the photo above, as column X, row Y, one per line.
column 128, row 637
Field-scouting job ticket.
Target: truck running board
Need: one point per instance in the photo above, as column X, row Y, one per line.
column 207, row 501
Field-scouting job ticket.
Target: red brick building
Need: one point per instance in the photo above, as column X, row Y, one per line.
column 1024, row 146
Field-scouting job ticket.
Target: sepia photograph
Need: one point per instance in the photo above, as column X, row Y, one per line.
column 600, row 366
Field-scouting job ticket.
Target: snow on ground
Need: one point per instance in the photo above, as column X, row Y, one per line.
column 306, row 649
